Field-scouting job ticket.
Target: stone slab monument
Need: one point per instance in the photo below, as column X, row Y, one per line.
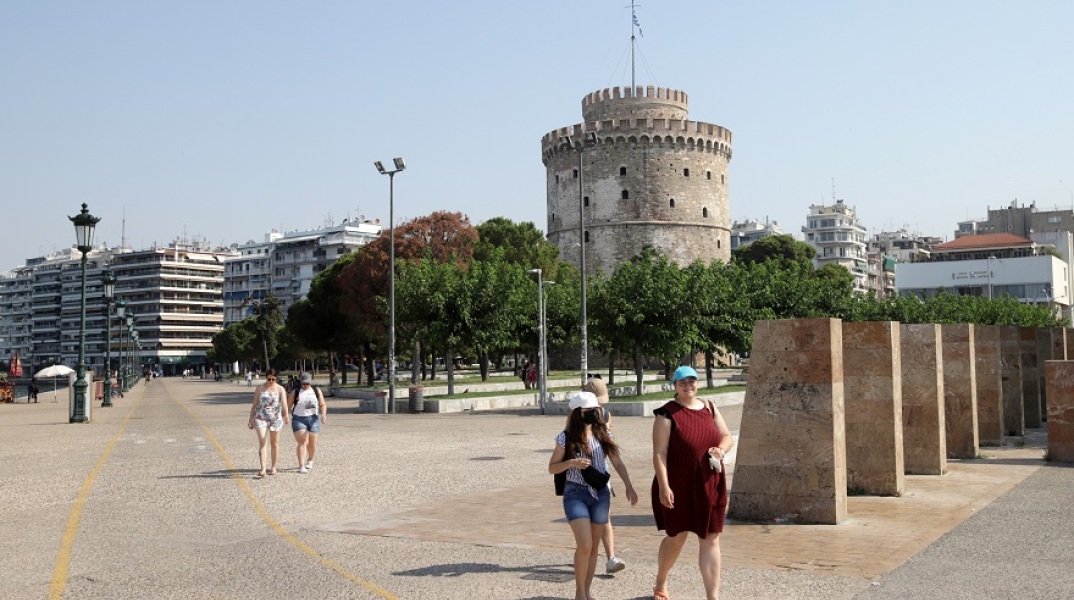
column 791, row 460
column 989, row 370
column 1059, row 379
column 1051, row 345
column 1010, row 355
column 1030, row 377
column 960, row 390
column 872, row 388
column 923, row 417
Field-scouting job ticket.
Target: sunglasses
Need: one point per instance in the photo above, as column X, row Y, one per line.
column 271, row 378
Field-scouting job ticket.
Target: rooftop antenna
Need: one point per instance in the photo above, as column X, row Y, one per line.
column 634, row 24
column 123, row 229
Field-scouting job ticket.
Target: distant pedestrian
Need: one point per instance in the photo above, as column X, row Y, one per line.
column 268, row 414
column 689, row 492
column 32, row 390
column 308, row 413
column 531, row 376
column 583, row 451
column 249, row 378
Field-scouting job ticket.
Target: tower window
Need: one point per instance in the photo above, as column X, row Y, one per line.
column 585, row 201
column 722, row 180
column 708, row 175
column 622, row 171
column 553, row 217
column 672, row 203
column 557, row 178
column 717, row 244
column 576, row 173
column 686, row 172
column 587, row 237
column 705, row 212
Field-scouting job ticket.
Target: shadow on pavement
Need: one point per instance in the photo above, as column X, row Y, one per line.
column 222, row 474
column 552, row 573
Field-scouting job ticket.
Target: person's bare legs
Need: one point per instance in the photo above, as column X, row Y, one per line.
column 302, row 438
column 670, row 548
column 262, row 439
column 311, row 447
column 274, row 440
column 586, row 551
column 708, row 559
column 609, row 538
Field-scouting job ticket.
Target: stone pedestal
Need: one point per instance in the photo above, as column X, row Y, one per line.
column 872, row 388
column 791, row 460
column 1030, row 377
column 1010, row 355
column 924, row 437
column 988, row 369
column 959, row 390
column 1059, row 379
column 1051, row 345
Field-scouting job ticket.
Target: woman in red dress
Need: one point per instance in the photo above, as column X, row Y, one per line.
column 690, row 439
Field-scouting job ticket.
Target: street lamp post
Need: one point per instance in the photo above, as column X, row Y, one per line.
column 121, row 310
column 580, row 145
column 132, row 376
column 108, row 280
column 542, row 354
column 989, row 261
column 400, row 164
column 84, row 225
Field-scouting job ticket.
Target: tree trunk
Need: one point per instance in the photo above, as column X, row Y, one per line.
column 415, row 361
column 639, row 374
column 450, row 361
column 368, row 362
column 708, row 367
column 611, row 367
column 484, row 362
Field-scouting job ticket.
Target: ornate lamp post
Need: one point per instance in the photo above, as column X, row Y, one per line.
column 581, row 145
column 400, row 164
column 121, row 311
column 84, row 225
column 108, row 280
column 132, row 376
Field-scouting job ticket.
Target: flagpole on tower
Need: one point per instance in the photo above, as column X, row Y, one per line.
column 634, row 24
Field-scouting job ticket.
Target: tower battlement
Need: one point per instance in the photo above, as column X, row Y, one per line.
column 636, row 102
column 667, row 132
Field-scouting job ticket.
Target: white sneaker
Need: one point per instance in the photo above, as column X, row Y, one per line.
column 303, row 470
column 614, row 565
column 309, row 465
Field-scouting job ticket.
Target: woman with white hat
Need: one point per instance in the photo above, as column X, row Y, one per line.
column 581, row 452
column 308, row 413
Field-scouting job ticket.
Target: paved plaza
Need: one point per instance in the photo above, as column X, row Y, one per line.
column 157, row 498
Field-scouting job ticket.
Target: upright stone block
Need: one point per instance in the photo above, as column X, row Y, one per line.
column 1030, row 377
column 989, row 370
column 872, row 387
column 1059, row 379
column 1051, row 345
column 959, row 391
column 1010, row 354
column 924, row 438
column 791, row 460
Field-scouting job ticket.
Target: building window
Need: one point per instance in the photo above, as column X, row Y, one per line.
column 576, row 173
column 672, row 203
column 622, row 171
column 585, row 201
column 723, row 179
column 686, row 172
column 626, row 195
column 717, row 244
column 705, row 212
column 708, row 175
column 587, row 237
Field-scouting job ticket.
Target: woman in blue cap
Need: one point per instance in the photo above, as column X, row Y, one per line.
column 689, row 494
column 583, row 451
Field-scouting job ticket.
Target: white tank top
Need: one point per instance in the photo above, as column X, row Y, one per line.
column 306, row 403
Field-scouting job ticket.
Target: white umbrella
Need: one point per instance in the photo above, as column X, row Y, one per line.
column 52, row 372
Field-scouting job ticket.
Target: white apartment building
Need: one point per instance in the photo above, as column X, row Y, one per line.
column 834, row 232
column 991, row 265
column 284, row 265
column 744, row 233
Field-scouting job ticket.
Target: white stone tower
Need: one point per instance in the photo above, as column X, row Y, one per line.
column 650, row 177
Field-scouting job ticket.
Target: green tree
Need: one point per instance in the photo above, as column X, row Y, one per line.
column 521, row 243
column 783, row 249
column 267, row 322
column 498, row 294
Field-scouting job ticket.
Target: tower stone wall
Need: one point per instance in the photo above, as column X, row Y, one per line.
column 652, row 178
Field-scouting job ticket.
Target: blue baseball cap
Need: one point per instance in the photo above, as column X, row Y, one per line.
column 682, row 373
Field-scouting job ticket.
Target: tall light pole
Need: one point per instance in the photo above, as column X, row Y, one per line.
column 989, row 260
column 108, row 280
column 84, row 225
column 542, row 353
column 121, row 311
column 580, row 146
column 400, row 164
column 133, row 376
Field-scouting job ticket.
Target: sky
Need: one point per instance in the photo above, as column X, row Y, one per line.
column 224, row 120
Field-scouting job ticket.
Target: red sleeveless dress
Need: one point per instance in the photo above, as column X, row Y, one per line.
column 700, row 492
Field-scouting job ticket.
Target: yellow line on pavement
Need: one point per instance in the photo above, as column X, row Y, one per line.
column 63, row 559
column 273, row 523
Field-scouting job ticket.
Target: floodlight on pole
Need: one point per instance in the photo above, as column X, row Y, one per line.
column 580, row 145
column 400, row 165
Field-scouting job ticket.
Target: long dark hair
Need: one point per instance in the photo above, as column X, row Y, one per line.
column 576, row 442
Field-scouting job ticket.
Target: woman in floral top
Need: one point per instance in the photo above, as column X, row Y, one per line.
column 268, row 415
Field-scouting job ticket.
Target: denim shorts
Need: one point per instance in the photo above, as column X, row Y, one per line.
column 311, row 423
column 579, row 503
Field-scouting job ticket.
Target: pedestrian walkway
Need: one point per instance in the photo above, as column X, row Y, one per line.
column 447, row 507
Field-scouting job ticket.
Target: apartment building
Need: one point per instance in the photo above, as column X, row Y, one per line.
column 838, row 238
column 744, row 233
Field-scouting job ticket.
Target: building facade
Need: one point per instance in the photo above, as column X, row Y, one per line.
column 744, row 233
column 834, row 232
column 1019, row 220
column 643, row 175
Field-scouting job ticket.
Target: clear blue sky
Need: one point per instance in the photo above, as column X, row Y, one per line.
column 223, row 120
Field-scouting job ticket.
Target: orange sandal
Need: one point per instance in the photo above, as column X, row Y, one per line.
column 658, row 595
